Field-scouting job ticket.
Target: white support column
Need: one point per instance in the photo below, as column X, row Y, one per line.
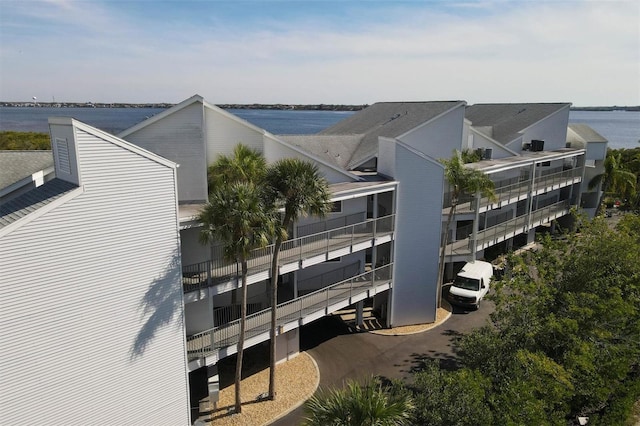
column 476, row 226
column 213, row 385
column 532, row 182
column 374, row 251
column 210, row 302
column 360, row 313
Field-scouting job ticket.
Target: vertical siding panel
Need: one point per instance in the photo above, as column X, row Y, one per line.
column 92, row 313
column 179, row 137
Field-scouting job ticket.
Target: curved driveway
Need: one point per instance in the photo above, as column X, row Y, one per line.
column 342, row 355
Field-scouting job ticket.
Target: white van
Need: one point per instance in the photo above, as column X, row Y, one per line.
column 471, row 284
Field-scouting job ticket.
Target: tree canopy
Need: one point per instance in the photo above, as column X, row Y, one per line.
column 563, row 342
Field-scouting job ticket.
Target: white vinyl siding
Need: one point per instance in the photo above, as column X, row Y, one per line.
column 92, row 319
column 179, row 137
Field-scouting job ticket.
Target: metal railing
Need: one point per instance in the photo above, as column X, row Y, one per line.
column 207, row 342
column 546, row 179
column 523, row 223
column 209, row 273
column 326, row 278
column 520, row 224
column 326, row 225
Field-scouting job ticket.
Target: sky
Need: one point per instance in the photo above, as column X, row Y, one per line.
column 585, row 52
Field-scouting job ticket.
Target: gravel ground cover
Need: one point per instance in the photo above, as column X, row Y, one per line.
column 296, row 381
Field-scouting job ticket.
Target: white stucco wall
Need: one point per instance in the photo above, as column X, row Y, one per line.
column 439, row 137
column 417, row 241
column 552, row 130
column 224, row 131
column 192, row 250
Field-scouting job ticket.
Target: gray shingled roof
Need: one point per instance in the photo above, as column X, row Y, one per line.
column 583, row 133
column 334, row 149
column 388, row 119
column 31, row 201
column 507, row 120
column 17, row 165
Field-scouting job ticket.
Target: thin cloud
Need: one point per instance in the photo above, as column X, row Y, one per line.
column 478, row 51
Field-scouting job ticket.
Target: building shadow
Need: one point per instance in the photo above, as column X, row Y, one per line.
column 320, row 331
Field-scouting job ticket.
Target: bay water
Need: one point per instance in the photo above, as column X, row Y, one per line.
column 621, row 128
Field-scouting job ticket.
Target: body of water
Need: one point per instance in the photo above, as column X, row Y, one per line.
column 621, row 128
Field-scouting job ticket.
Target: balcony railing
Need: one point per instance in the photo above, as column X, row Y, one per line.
column 504, row 230
column 326, row 278
column 326, row 225
column 209, row 273
column 543, row 182
column 520, row 224
column 207, row 342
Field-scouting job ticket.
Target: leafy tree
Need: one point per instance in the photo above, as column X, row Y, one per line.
column 462, row 181
column 564, row 339
column 615, row 179
column 369, row 404
column 298, row 187
column 450, row 398
column 630, row 160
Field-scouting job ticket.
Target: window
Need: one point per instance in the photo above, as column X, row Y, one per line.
column 336, row 207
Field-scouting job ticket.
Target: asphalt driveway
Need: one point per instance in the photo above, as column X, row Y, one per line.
column 342, row 355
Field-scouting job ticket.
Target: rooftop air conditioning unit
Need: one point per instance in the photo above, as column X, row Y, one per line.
column 537, row 145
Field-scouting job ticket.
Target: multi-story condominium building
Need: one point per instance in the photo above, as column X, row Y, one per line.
column 379, row 244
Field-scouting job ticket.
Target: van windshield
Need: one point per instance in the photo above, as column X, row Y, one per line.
column 467, row 283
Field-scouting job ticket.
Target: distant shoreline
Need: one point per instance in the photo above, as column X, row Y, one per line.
column 299, row 107
column 310, row 107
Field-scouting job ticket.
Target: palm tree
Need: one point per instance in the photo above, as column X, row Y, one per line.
column 462, row 181
column 237, row 216
column 359, row 405
column 246, row 165
column 299, row 188
column 614, row 178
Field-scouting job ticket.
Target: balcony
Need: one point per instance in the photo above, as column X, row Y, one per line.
column 222, row 341
column 508, row 191
column 295, row 254
column 510, row 228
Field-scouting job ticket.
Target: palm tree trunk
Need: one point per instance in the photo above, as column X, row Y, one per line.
column 605, row 187
column 443, row 251
column 274, row 313
column 243, row 321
